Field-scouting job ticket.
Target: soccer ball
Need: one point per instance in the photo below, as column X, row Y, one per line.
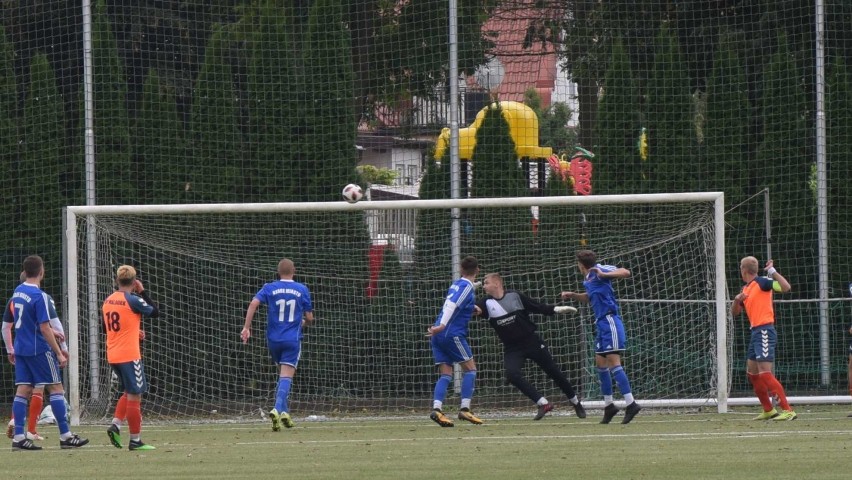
column 352, row 193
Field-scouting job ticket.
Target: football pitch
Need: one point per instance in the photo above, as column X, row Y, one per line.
column 655, row 446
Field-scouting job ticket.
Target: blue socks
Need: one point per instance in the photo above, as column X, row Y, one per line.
column 606, row 381
column 621, row 380
column 441, row 387
column 468, row 379
column 283, row 392
column 57, row 404
column 19, row 410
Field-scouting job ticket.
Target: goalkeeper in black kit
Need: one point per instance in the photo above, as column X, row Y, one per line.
column 508, row 312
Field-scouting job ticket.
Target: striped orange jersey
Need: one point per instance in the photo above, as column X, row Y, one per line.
column 123, row 314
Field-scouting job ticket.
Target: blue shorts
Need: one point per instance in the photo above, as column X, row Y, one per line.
column 131, row 376
column 450, row 350
column 286, row 353
column 761, row 345
column 37, row 370
column 610, row 336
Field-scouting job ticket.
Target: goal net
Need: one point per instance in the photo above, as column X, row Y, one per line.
column 378, row 272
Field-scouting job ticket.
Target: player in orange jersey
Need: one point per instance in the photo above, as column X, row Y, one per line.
column 756, row 300
column 123, row 312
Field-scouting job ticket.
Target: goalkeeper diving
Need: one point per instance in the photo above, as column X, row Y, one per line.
column 508, row 312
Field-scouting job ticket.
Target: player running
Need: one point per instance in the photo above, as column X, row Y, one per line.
column 289, row 308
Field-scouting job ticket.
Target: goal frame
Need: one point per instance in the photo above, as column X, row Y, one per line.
column 71, row 246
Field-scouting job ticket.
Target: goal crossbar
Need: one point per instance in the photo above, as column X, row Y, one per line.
column 75, row 213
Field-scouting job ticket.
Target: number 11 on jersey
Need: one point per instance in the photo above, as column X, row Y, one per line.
column 288, row 307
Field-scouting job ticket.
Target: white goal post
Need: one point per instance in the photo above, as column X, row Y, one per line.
column 378, row 271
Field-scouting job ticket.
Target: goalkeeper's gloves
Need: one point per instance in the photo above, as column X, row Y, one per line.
column 564, row 309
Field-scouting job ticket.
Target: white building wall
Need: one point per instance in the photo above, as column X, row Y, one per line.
column 407, row 163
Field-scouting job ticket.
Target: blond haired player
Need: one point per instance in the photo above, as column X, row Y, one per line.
column 122, row 313
column 756, row 301
column 289, row 308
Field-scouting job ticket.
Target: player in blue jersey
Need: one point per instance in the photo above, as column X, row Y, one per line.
column 610, row 339
column 38, row 358
column 290, row 308
column 449, row 344
column 37, row 397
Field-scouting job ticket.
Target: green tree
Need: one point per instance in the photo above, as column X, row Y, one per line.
column 503, row 241
column 838, row 106
column 328, row 145
column 275, row 87
column 785, row 157
column 726, row 127
column 434, row 231
column 553, row 121
column 399, row 51
column 9, row 201
column 433, row 226
column 723, row 165
column 371, row 175
column 115, row 178
column 380, row 339
column 326, row 162
column 160, row 144
column 669, row 119
column 584, row 33
column 40, row 169
column 618, row 168
column 495, row 162
column 217, row 175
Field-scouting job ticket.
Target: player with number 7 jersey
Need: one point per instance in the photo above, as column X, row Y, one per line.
column 123, row 312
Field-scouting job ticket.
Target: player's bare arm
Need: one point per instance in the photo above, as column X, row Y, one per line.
column 252, row 308
column 435, row 329
column 47, row 333
column 308, row 319
column 576, row 296
column 739, row 304
column 772, row 273
column 7, row 339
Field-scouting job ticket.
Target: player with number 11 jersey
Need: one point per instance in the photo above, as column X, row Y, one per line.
column 289, row 306
column 287, row 301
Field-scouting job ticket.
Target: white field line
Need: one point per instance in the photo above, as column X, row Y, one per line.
column 516, row 438
column 692, row 436
column 728, row 418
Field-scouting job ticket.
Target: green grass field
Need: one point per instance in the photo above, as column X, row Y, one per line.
column 655, row 446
